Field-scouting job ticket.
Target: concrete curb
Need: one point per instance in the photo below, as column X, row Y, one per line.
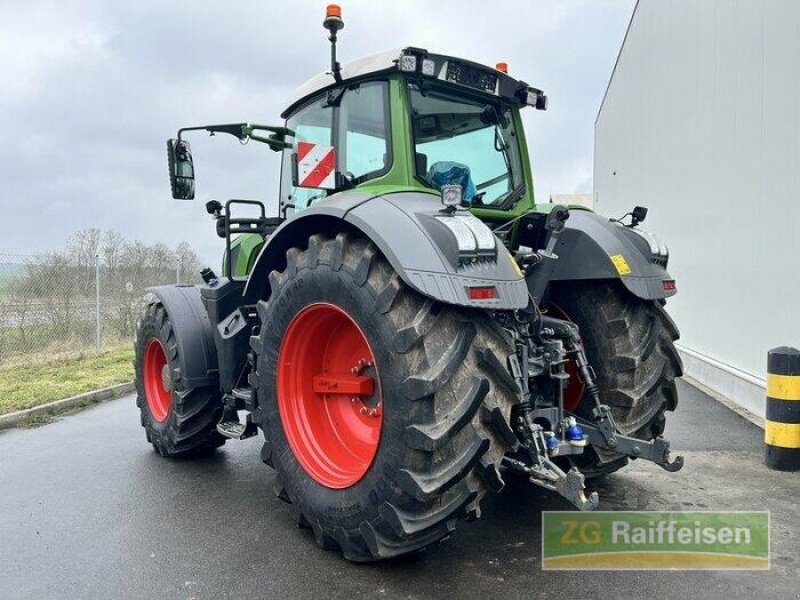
column 725, row 401
column 115, row 391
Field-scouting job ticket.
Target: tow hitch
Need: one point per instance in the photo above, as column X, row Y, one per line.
column 544, row 345
column 604, row 436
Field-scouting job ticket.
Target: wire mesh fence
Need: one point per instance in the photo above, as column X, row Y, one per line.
column 77, row 303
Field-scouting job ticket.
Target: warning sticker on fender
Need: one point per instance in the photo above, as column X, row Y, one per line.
column 621, row 264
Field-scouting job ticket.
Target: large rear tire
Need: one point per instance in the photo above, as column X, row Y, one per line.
column 178, row 421
column 630, row 344
column 442, row 392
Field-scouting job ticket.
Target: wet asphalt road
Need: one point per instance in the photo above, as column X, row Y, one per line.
column 88, row 510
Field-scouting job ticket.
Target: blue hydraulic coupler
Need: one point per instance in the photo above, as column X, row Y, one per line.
column 553, row 445
column 574, row 434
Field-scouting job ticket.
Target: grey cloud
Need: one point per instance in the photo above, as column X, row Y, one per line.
column 93, row 89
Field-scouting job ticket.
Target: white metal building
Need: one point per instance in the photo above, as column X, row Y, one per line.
column 701, row 123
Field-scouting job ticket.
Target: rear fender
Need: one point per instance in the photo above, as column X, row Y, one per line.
column 405, row 228
column 592, row 247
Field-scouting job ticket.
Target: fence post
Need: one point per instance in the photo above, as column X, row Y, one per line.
column 97, row 301
column 178, row 264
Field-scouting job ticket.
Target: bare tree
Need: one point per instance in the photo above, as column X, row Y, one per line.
column 81, row 251
column 190, row 263
column 111, row 249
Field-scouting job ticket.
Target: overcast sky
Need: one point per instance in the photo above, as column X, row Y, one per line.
column 89, row 92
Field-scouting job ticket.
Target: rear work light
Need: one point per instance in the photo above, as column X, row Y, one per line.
column 408, row 63
column 482, row 293
column 532, row 97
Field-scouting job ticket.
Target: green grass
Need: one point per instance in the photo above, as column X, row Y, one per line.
column 44, row 339
column 28, row 386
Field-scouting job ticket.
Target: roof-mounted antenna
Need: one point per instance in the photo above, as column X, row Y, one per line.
column 333, row 23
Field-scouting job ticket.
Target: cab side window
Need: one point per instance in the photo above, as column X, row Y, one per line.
column 364, row 149
column 312, row 123
column 357, row 125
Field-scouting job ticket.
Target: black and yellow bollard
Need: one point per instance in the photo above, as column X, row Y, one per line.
column 782, row 430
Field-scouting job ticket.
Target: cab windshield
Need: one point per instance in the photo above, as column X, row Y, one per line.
column 466, row 142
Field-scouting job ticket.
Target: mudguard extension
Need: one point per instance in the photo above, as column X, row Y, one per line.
column 592, row 247
column 405, row 227
column 193, row 331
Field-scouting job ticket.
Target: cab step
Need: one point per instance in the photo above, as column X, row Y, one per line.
column 235, row 430
column 243, row 394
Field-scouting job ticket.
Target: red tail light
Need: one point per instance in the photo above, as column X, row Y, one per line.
column 482, row 293
column 669, row 285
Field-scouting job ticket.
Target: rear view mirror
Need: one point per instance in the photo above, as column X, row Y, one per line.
column 181, row 169
column 638, row 214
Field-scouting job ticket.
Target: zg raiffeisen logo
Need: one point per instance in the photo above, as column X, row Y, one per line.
column 655, row 540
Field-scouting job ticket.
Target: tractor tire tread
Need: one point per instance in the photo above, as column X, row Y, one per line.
column 190, row 428
column 630, row 343
column 456, row 379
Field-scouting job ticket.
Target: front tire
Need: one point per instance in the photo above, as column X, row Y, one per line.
column 441, row 382
column 178, row 421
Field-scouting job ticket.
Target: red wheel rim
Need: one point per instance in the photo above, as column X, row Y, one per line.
column 159, row 398
column 573, row 393
column 329, row 395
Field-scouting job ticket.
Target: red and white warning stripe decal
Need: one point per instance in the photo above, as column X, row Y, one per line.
column 316, row 166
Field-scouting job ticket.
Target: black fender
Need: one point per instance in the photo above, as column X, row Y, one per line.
column 193, row 332
column 406, row 228
column 589, row 246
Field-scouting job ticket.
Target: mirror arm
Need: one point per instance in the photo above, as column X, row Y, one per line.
column 234, row 129
column 244, row 131
column 277, row 141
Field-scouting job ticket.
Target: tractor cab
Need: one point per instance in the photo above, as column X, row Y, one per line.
column 405, row 120
column 409, row 119
column 402, row 121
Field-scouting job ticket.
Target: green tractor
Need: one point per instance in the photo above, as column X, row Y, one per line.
column 413, row 327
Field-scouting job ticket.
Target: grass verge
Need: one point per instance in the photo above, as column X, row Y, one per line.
column 29, row 386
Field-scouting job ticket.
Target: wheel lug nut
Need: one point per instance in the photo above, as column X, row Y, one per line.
column 354, row 370
column 354, row 399
column 363, row 410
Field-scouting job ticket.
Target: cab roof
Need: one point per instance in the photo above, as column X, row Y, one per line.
column 449, row 69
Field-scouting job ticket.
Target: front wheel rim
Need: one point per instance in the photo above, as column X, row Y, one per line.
column 159, row 398
column 329, row 396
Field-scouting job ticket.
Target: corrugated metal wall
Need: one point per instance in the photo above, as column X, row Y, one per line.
column 701, row 123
